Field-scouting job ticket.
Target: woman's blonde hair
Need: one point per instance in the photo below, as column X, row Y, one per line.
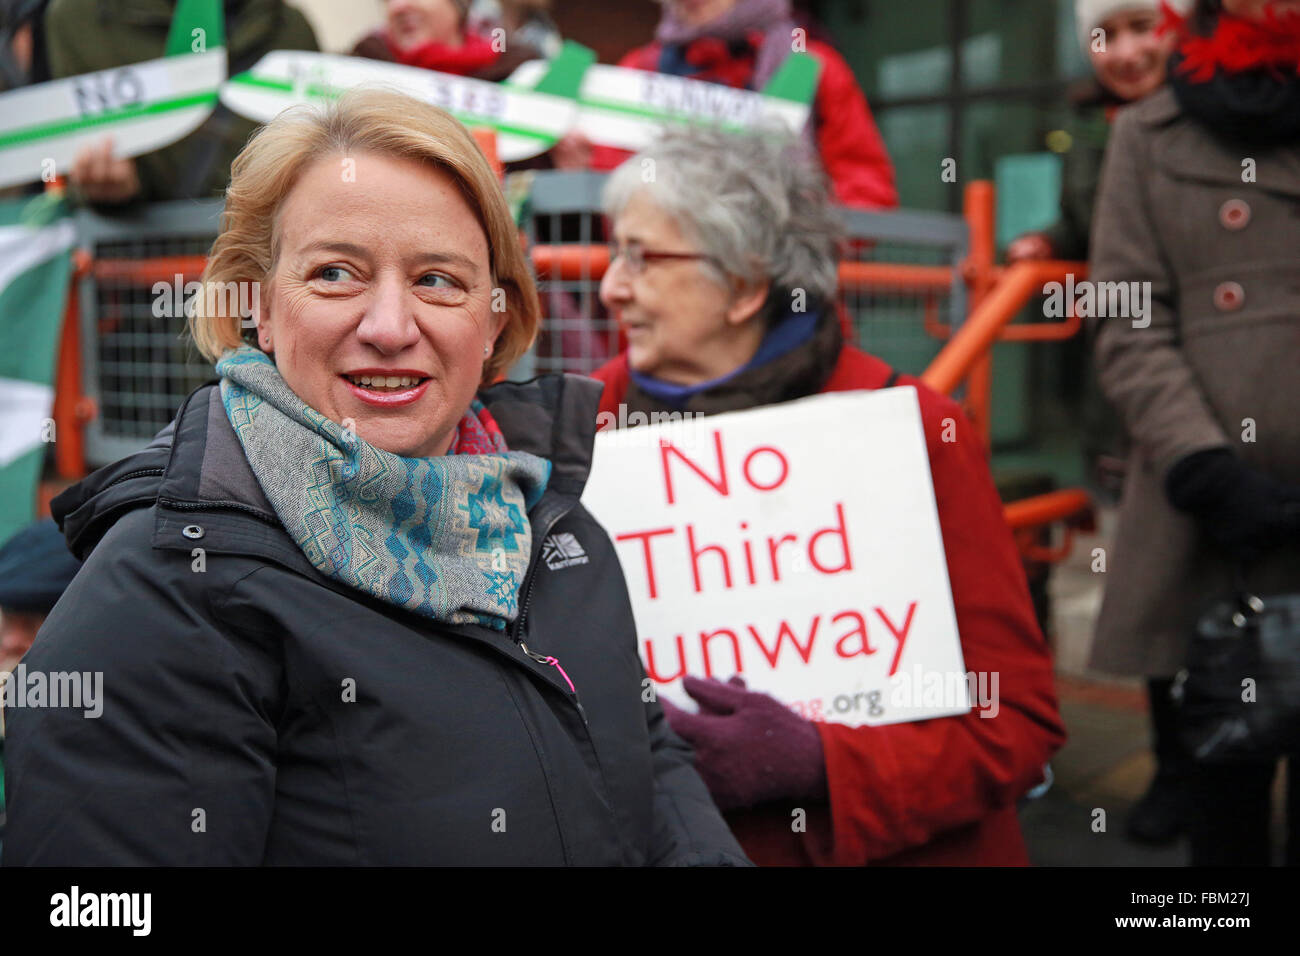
column 363, row 120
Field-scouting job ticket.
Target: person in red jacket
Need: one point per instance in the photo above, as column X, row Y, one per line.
column 435, row 35
column 742, row 43
column 723, row 272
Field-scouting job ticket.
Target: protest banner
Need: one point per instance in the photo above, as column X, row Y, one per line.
column 143, row 106
column 624, row 107
column 755, row 543
column 527, row 121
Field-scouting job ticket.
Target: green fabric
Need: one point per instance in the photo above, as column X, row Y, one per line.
column 446, row 537
column 564, row 76
column 191, row 15
column 88, row 35
column 35, row 268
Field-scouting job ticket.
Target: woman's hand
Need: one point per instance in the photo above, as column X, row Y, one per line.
column 1242, row 511
column 100, row 177
column 749, row 748
column 1033, row 245
column 572, row 151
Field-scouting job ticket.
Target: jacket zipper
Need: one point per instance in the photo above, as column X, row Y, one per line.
column 191, row 505
column 215, row 505
column 138, row 473
column 554, row 661
column 517, row 631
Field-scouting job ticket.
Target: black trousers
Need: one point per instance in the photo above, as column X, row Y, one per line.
column 1231, row 811
column 1229, row 807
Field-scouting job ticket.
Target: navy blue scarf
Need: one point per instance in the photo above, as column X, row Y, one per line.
column 791, row 331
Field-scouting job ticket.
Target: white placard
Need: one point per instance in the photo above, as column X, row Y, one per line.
column 797, row 545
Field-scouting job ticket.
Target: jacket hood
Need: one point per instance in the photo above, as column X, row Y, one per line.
column 197, row 462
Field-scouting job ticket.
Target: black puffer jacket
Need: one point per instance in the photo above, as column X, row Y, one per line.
column 228, row 735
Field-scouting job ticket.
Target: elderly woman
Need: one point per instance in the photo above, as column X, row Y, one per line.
column 325, row 629
column 723, row 276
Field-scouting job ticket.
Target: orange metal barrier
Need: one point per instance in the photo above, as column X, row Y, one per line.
column 71, row 409
column 989, row 321
column 575, row 263
column 1028, row 517
column 149, row 271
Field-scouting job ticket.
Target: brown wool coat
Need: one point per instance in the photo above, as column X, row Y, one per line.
column 1223, row 259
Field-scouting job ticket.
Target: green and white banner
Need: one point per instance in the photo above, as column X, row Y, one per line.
column 143, row 106
column 36, row 238
column 540, row 102
column 527, row 122
column 623, row 107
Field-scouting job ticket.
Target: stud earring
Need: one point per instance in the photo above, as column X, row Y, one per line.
column 487, row 350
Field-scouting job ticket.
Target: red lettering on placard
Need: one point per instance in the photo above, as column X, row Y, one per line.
column 735, row 649
column 645, row 537
column 865, row 647
column 696, row 553
column 784, row 632
column 900, row 636
column 773, row 546
column 749, row 554
column 720, row 485
column 785, row 468
column 842, row 531
column 650, row 663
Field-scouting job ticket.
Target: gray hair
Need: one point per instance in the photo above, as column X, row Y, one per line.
column 755, row 201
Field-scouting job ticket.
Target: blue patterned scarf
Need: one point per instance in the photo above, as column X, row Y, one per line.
column 446, row 537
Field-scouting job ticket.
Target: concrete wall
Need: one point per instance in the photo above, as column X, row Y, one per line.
column 340, row 23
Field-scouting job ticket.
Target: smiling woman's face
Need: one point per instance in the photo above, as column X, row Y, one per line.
column 1132, row 64
column 383, row 273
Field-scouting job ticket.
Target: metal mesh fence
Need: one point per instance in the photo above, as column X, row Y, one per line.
column 892, row 324
column 578, row 334
column 145, row 366
column 137, row 363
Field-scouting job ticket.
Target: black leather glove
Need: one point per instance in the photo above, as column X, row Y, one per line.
column 1240, row 509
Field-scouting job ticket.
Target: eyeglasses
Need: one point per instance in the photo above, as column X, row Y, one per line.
column 635, row 256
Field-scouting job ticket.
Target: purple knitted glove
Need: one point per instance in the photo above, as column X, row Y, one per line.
column 749, row 747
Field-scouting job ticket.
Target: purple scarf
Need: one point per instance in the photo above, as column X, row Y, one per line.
column 770, row 17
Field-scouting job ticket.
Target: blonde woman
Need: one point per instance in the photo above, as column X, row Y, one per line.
column 327, row 606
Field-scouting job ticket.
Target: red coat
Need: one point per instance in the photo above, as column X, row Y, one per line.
column 939, row 791
column 847, row 139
